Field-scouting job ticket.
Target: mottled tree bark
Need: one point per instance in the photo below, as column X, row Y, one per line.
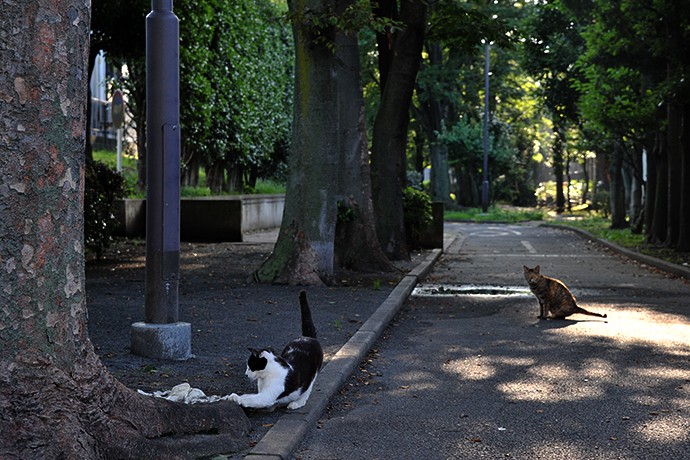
column 356, row 244
column 57, row 400
column 304, row 252
column 389, row 143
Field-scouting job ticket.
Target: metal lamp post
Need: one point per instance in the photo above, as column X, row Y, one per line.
column 162, row 335
column 485, row 168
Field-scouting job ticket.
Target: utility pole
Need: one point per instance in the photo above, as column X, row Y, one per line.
column 485, row 168
column 162, row 335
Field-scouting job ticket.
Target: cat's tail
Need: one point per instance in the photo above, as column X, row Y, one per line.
column 590, row 313
column 308, row 328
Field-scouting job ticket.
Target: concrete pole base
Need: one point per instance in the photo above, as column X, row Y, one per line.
column 162, row 341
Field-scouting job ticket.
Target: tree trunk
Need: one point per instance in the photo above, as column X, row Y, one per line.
column 304, row 252
column 433, row 115
column 585, row 178
column 558, row 170
column 675, row 174
column 659, row 212
column 636, row 190
column 617, row 192
column 56, row 398
column 569, row 181
column 356, row 245
column 215, row 177
column 190, row 169
column 389, row 143
column 684, row 213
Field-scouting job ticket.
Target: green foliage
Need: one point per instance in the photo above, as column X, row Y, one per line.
column 495, row 214
column 236, row 69
column 102, row 188
column 417, row 215
column 600, row 227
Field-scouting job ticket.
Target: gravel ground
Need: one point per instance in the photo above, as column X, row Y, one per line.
column 227, row 313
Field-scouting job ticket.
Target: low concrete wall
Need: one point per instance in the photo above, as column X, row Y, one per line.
column 214, row 218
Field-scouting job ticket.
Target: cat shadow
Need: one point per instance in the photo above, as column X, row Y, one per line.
column 565, row 322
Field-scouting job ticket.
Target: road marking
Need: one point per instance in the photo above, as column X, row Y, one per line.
column 494, row 231
column 529, row 247
column 522, row 254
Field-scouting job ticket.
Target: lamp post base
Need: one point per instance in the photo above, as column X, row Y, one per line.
column 162, row 341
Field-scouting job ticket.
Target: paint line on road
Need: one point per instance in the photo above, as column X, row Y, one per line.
column 529, row 247
column 522, row 254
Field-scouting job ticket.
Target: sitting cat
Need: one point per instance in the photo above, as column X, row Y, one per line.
column 288, row 378
column 555, row 299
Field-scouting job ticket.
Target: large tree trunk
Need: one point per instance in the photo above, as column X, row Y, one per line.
column 304, row 251
column 56, row 398
column 389, row 143
column 356, row 245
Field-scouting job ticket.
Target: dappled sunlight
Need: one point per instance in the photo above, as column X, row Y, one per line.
column 667, row 371
column 414, row 381
column 470, row 368
column 552, row 391
column 664, row 428
column 552, row 371
column 634, row 325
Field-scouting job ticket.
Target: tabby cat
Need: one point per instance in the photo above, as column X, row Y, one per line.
column 288, row 378
column 555, row 299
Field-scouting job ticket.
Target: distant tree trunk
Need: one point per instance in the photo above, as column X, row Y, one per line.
column 356, row 245
column 675, row 174
column 569, row 182
column 57, row 400
column 215, row 177
column 304, row 251
column 136, row 89
column 190, row 169
column 617, row 191
column 684, row 213
column 658, row 207
column 636, row 190
column 433, row 113
column 558, row 170
column 586, row 179
column 389, row 143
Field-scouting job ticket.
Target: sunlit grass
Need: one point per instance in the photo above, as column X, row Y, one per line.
column 498, row 214
column 600, row 227
column 129, row 172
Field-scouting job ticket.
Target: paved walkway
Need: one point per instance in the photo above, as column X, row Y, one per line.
column 479, row 377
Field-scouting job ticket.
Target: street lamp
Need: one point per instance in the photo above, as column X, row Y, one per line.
column 162, row 335
column 485, row 181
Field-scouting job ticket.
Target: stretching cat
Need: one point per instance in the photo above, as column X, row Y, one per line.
column 555, row 299
column 288, row 378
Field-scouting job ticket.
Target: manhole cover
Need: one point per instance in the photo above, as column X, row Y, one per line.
column 433, row 290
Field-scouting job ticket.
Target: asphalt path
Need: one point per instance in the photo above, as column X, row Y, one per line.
column 467, row 371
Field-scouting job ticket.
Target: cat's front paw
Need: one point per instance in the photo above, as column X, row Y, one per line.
column 296, row 404
column 235, row 398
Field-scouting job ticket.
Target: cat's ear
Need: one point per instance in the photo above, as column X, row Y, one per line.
column 254, row 351
column 524, row 267
column 537, row 268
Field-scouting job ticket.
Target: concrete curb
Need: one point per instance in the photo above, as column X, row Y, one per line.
column 283, row 439
column 669, row 267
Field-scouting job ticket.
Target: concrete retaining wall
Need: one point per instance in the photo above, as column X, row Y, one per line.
column 214, row 218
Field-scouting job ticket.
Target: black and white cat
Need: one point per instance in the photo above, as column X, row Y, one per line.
column 288, row 378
